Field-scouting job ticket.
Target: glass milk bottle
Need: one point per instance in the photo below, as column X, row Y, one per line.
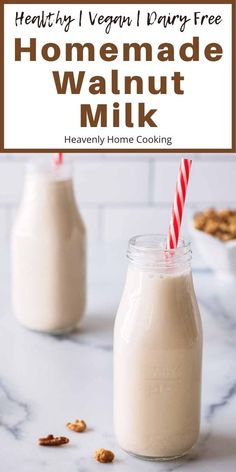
column 48, row 252
column 157, row 353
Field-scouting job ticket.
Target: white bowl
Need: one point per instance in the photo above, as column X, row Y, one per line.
column 217, row 255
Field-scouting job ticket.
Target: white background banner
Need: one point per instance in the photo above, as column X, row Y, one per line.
column 37, row 117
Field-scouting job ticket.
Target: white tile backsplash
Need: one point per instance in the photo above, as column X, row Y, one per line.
column 213, row 182
column 3, row 224
column 122, row 195
column 11, row 180
column 112, row 182
column 125, row 222
column 210, row 182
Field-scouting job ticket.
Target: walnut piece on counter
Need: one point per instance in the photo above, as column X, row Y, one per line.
column 79, row 426
column 51, row 440
column 104, row 456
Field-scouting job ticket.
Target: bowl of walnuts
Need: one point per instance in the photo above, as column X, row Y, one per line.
column 214, row 233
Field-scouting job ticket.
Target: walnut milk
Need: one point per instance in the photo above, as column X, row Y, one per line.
column 48, row 252
column 157, row 352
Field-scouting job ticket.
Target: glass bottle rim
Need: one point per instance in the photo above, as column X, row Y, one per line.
column 156, row 242
column 150, row 251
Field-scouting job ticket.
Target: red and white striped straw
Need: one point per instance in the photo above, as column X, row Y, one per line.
column 178, row 205
column 58, row 158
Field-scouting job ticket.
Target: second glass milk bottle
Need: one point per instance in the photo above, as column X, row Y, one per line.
column 48, row 252
column 157, row 353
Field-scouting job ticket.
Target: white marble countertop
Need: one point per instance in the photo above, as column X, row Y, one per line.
column 46, row 381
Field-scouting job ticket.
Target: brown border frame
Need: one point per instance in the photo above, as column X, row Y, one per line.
column 143, row 151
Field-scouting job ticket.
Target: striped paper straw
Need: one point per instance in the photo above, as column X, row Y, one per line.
column 58, row 158
column 178, row 205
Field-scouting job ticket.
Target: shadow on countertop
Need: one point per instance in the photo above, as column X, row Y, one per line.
column 96, row 331
column 219, row 446
column 213, row 446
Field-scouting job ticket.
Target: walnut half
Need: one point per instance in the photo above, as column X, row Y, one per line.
column 78, row 426
column 104, row 456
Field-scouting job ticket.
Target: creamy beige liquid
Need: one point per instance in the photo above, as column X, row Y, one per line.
column 48, row 256
column 157, row 365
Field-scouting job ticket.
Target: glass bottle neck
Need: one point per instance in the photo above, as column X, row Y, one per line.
column 149, row 253
column 48, row 171
column 47, row 182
